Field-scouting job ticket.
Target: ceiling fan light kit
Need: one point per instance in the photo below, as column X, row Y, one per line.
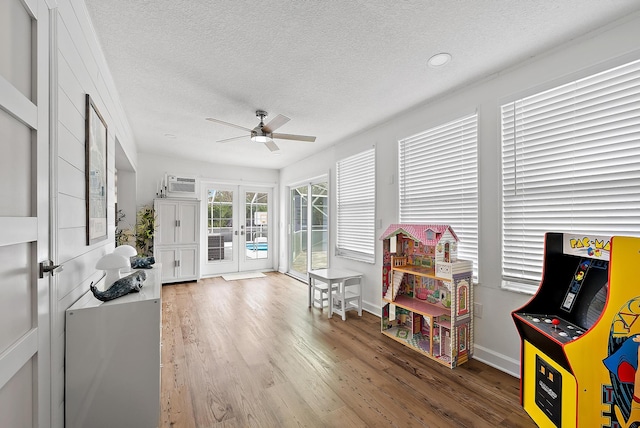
column 260, row 138
column 264, row 133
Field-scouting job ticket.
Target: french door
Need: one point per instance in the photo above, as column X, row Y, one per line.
column 238, row 232
column 25, row 373
column 309, row 227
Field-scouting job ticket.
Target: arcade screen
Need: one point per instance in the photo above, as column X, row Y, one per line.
column 585, row 294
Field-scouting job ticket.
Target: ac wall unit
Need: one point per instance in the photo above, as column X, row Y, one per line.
column 181, row 187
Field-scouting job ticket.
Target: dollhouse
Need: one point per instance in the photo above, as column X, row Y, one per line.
column 427, row 293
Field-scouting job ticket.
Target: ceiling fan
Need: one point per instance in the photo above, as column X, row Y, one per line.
column 264, row 133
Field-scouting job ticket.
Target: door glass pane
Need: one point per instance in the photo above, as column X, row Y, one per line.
column 15, row 292
column 257, row 227
column 15, row 146
column 319, row 225
column 298, row 244
column 16, row 398
column 219, row 225
column 16, row 45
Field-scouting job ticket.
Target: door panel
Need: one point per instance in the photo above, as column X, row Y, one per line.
column 18, row 152
column 319, row 243
column 187, row 257
column 16, row 401
column 15, row 51
column 25, row 373
column 299, row 233
column 188, row 229
column 220, row 229
column 238, row 237
column 257, row 248
column 166, row 230
column 15, row 292
column 309, row 228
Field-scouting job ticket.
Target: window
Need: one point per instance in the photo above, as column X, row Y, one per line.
column 570, row 163
column 356, row 203
column 438, row 180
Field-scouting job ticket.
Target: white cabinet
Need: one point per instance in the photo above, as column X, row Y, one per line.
column 178, row 263
column 112, row 365
column 177, row 238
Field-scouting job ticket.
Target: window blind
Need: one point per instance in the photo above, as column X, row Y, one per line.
column 570, row 163
column 356, row 191
column 438, row 181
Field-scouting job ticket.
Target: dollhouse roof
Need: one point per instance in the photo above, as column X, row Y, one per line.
column 418, row 232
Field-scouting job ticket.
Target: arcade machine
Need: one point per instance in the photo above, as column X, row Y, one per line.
column 581, row 334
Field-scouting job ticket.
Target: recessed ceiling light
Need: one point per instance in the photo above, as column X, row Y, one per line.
column 440, row 59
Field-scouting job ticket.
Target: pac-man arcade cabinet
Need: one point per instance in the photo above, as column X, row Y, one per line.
column 581, row 334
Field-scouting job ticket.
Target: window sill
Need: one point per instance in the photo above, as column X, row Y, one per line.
column 519, row 287
column 357, row 257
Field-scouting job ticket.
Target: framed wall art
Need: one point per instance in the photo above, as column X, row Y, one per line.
column 96, row 173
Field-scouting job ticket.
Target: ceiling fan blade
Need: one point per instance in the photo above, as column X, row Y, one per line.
column 228, row 124
column 272, row 146
column 226, row 140
column 275, row 123
column 294, row 137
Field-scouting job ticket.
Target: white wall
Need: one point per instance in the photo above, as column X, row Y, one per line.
column 152, row 168
column 496, row 339
column 79, row 68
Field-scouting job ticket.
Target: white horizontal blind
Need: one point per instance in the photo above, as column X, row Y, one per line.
column 356, row 198
column 570, row 163
column 438, row 181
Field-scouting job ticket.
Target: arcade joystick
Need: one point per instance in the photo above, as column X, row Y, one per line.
column 555, row 323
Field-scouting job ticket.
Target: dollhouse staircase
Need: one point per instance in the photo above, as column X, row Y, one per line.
column 392, row 290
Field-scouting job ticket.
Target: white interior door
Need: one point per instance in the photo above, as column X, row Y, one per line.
column 25, row 373
column 236, row 230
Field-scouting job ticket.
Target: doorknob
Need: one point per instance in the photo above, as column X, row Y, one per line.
column 49, row 267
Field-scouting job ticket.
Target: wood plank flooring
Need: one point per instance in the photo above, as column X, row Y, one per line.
column 250, row 353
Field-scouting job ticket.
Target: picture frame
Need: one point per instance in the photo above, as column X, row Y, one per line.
column 95, row 173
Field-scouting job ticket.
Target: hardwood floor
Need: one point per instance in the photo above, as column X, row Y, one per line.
column 250, row 353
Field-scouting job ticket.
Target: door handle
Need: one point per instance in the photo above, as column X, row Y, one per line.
column 49, row 267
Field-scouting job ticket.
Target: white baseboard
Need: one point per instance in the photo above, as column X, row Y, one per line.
column 498, row 361
column 372, row 309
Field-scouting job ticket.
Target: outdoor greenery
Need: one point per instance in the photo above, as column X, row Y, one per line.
column 145, row 230
column 142, row 235
column 124, row 235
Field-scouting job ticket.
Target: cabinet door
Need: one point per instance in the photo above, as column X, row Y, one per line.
column 168, row 259
column 167, row 220
column 188, row 231
column 188, row 258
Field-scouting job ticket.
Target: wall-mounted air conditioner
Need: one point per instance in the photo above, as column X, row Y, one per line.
column 181, row 187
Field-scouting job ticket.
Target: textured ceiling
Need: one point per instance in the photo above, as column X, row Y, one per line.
column 333, row 67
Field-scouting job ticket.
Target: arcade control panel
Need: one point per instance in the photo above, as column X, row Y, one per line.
column 557, row 328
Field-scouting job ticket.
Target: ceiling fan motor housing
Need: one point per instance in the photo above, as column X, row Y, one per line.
column 261, row 114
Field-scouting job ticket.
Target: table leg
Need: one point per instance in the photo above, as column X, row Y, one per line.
column 310, row 292
column 330, row 299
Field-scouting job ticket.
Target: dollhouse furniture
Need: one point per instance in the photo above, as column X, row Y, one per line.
column 427, row 292
column 330, row 279
column 347, row 296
